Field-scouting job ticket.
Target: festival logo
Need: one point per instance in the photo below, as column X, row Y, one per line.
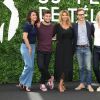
column 14, row 20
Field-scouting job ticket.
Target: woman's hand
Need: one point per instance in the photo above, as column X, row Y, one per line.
column 25, row 34
column 38, row 24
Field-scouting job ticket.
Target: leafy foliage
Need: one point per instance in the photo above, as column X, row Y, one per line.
column 11, row 64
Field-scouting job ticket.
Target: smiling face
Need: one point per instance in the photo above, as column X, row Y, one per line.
column 65, row 17
column 47, row 17
column 33, row 16
column 81, row 15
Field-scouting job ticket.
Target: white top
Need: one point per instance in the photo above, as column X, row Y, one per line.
column 96, row 35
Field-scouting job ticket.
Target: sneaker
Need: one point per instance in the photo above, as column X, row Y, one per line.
column 43, row 87
column 80, row 87
column 50, row 83
column 90, row 89
column 98, row 89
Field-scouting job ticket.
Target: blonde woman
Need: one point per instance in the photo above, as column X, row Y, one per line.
column 64, row 49
column 96, row 51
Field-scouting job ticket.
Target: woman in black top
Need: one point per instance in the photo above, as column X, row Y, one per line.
column 64, row 49
column 28, row 50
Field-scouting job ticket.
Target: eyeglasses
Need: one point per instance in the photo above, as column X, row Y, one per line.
column 80, row 14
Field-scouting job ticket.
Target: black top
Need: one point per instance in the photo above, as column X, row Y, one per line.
column 32, row 31
column 64, row 52
column 63, row 34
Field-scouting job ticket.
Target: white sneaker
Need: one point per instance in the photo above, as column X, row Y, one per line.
column 43, row 87
column 90, row 89
column 80, row 87
column 98, row 89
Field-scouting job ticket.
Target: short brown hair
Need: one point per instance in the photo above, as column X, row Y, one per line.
column 80, row 9
column 46, row 12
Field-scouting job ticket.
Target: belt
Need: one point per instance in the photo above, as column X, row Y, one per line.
column 83, row 46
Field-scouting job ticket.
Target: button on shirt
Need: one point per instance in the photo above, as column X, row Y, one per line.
column 82, row 35
column 97, row 35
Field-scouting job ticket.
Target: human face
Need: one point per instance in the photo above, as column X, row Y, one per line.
column 81, row 16
column 99, row 19
column 65, row 17
column 47, row 18
column 33, row 16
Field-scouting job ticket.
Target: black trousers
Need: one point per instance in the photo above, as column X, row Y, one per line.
column 96, row 62
column 43, row 60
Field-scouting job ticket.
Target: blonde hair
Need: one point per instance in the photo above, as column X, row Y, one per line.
column 97, row 17
column 60, row 17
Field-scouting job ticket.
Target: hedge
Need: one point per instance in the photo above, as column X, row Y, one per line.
column 11, row 63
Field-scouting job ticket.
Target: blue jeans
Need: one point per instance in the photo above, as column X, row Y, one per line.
column 84, row 61
column 27, row 74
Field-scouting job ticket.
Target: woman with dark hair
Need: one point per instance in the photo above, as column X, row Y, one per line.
column 28, row 50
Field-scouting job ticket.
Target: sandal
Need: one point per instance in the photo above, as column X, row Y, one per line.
column 21, row 86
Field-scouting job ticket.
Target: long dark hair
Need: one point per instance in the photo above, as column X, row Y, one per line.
column 29, row 16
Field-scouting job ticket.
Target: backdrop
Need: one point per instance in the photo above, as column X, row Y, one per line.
column 11, row 63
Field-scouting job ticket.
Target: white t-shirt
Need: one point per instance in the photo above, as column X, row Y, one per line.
column 96, row 35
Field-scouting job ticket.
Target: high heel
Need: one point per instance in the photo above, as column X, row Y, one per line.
column 21, row 86
column 28, row 89
column 64, row 88
column 61, row 88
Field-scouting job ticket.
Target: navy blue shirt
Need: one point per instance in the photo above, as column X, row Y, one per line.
column 32, row 31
